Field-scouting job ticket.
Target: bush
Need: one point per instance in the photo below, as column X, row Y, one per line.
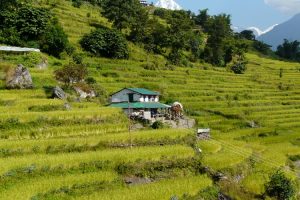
column 71, row 74
column 77, row 58
column 105, row 42
column 239, row 68
column 90, row 80
column 32, row 59
column 157, row 125
column 280, row 186
column 76, row 3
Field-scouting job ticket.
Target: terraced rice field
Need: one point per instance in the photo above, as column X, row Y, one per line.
column 59, row 153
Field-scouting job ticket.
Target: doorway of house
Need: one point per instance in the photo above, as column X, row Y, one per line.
column 130, row 96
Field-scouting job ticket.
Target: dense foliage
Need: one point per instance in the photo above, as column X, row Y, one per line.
column 54, row 41
column 247, row 34
column 7, row 5
column 262, row 47
column 105, row 42
column 289, row 50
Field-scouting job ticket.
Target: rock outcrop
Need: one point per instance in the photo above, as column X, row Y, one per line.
column 19, row 78
column 85, row 94
column 58, row 93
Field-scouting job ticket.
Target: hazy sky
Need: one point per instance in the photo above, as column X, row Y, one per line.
column 247, row 13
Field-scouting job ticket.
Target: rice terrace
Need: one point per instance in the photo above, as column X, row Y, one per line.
column 198, row 116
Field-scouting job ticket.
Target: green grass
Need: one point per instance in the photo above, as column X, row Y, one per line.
column 160, row 190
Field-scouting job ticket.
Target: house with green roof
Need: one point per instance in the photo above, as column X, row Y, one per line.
column 138, row 100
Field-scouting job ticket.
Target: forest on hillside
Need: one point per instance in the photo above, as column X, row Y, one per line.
column 180, row 36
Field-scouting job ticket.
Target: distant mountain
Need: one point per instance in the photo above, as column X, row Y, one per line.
column 168, row 4
column 288, row 30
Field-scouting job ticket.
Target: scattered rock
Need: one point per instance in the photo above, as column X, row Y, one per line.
column 58, row 93
column 253, row 124
column 238, row 178
column 203, row 134
column 219, row 177
column 20, row 78
column 174, row 198
column 67, row 106
column 136, row 180
column 222, row 196
column 85, row 94
column 137, row 126
column 43, row 64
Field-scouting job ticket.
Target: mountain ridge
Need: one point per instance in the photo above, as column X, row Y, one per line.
column 287, row 30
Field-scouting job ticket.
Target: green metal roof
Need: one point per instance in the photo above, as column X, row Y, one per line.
column 139, row 105
column 143, row 91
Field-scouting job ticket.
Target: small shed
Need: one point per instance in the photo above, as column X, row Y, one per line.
column 203, row 133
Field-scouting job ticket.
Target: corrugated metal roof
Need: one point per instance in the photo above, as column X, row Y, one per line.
column 18, row 49
column 139, row 105
column 143, row 91
column 203, row 130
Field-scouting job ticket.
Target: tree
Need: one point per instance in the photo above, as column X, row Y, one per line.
column 202, row 18
column 54, row 41
column 178, row 34
column 32, row 22
column 247, row 34
column 71, row 74
column 155, row 36
column 218, row 29
column 139, row 26
column 105, row 42
column 280, row 186
column 162, row 13
column 289, row 50
column 121, row 12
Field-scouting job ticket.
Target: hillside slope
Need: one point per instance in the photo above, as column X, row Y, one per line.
column 48, row 152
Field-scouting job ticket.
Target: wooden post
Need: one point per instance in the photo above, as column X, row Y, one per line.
column 129, row 125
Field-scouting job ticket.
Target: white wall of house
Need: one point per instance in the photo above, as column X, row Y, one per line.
column 122, row 96
column 146, row 98
column 142, row 99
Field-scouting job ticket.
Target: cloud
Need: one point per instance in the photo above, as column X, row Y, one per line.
column 285, row 6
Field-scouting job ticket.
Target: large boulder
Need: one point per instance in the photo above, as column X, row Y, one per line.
column 19, row 78
column 58, row 93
